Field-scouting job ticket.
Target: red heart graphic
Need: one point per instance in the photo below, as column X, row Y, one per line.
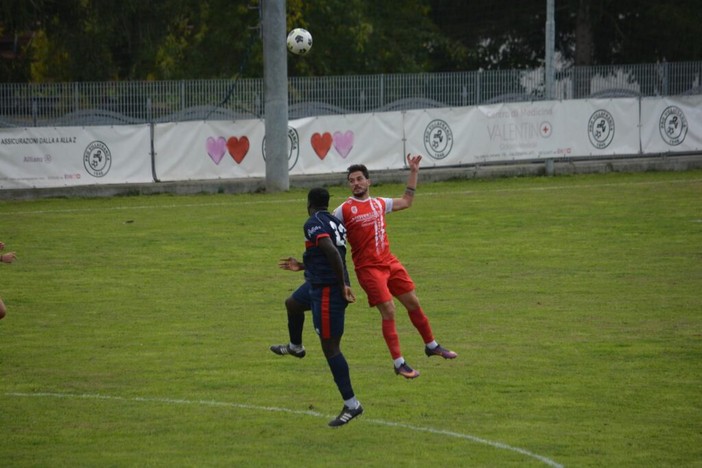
column 238, row 147
column 321, row 144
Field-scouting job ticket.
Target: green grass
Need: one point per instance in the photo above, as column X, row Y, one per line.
column 138, row 330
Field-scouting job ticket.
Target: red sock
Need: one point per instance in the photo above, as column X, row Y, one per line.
column 391, row 338
column 421, row 323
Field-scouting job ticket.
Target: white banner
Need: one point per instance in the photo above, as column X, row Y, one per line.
column 209, row 150
column 524, row 131
column 332, row 143
column 45, row 157
column 444, row 136
column 601, row 127
column 671, row 124
column 318, row 145
column 51, row 157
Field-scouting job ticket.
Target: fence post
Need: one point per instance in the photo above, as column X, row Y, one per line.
column 666, row 82
column 550, row 49
column 477, row 86
column 76, row 97
column 549, row 167
column 152, row 147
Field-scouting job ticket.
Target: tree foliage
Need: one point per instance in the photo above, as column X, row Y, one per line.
column 98, row 40
column 93, row 40
column 510, row 34
column 362, row 37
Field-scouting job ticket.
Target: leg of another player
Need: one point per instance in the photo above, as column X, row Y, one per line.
column 296, row 320
column 416, row 314
column 421, row 323
column 342, row 377
column 392, row 340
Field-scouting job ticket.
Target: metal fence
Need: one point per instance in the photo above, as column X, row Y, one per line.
column 115, row 103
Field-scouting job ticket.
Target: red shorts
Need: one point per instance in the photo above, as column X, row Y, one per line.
column 381, row 283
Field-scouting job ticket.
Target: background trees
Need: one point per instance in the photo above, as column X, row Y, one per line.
column 98, row 40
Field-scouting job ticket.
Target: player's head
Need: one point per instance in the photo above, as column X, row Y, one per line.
column 357, row 168
column 359, row 180
column 318, row 199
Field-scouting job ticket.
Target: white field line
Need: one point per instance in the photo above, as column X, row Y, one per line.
column 169, row 401
column 300, row 200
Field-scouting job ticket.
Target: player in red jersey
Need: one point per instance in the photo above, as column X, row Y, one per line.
column 379, row 272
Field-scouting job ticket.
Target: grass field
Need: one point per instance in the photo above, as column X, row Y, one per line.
column 138, row 330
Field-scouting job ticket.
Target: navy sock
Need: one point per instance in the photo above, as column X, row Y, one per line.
column 296, row 322
column 340, row 370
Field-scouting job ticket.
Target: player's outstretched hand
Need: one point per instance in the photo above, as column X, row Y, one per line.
column 348, row 295
column 413, row 162
column 290, row 263
column 8, row 257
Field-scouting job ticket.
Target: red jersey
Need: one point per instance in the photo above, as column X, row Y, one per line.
column 365, row 228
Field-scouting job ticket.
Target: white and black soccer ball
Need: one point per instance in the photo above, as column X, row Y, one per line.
column 299, row 41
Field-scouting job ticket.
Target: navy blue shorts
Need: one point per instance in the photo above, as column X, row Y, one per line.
column 302, row 295
column 328, row 310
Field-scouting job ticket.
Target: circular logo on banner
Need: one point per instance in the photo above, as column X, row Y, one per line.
column 600, row 129
column 438, row 139
column 97, row 159
column 673, row 125
column 545, row 129
column 293, row 147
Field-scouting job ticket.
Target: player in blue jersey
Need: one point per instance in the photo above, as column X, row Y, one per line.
column 326, row 292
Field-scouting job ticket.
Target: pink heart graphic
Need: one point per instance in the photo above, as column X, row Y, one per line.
column 216, row 148
column 343, row 143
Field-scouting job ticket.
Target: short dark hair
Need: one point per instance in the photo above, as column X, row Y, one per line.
column 318, row 198
column 356, row 168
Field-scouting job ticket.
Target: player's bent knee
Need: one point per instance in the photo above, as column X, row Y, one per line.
column 294, row 307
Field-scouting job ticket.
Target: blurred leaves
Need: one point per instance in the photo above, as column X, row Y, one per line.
column 100, row 40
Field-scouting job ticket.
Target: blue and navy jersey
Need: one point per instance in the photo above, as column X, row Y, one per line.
column 317, row 268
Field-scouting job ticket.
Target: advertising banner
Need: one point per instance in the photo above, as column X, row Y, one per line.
column 524, row 131
column 47, row 157
column 332, row 143
column 318, row 145
column 671, row 124
column 444, row 136
column 602, row 127
column 209, row 150
column 205, row 150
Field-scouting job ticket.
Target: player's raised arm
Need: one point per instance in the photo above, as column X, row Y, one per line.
column 408, row 197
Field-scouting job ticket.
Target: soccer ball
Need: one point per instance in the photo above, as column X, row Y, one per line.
column 299, row 41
